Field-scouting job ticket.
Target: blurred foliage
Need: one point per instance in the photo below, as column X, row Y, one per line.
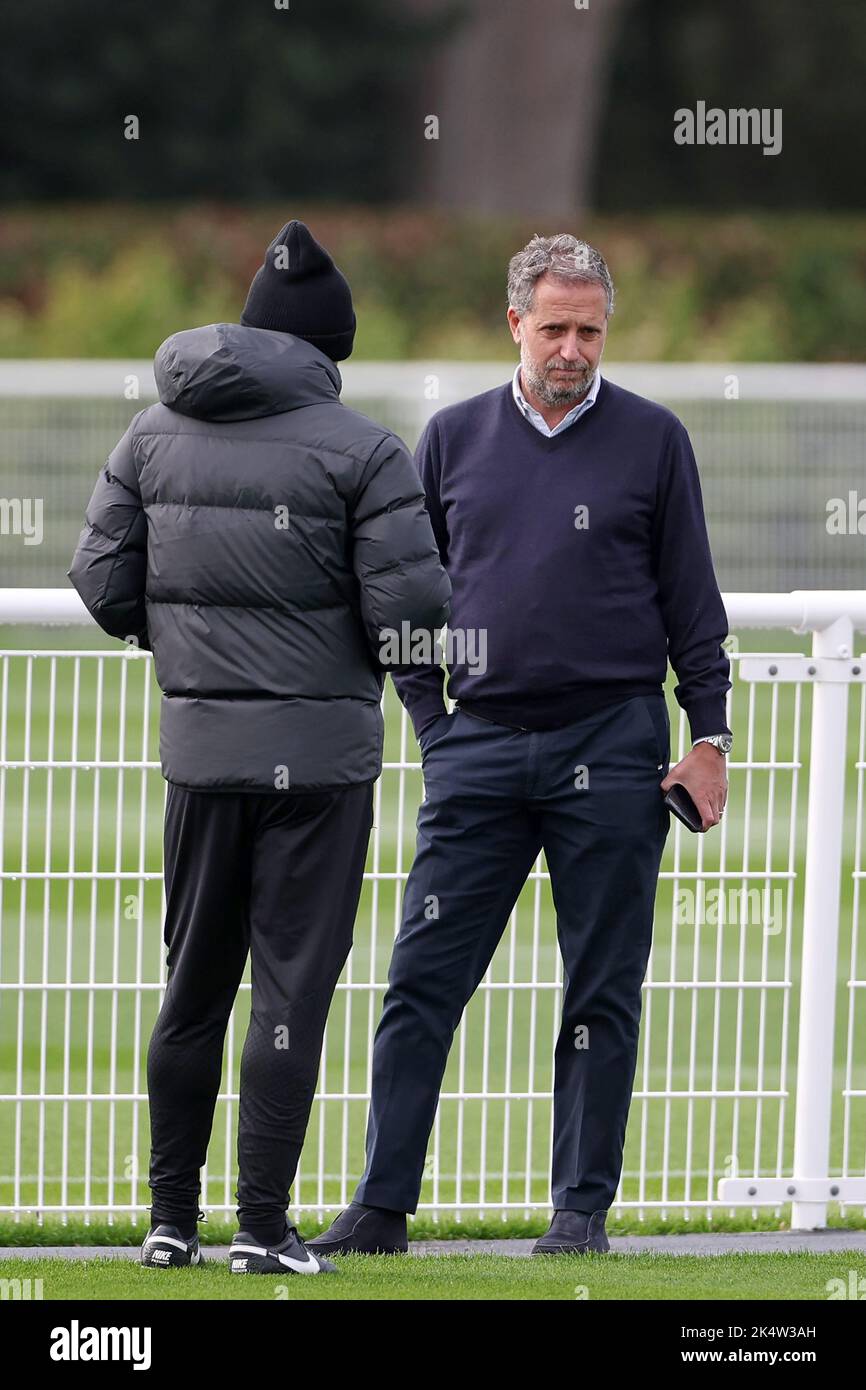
column 239, row 101
column 316, row 101
column 803, row 57
column 107, row 281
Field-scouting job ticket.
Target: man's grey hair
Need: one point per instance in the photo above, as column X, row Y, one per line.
column 562, row 256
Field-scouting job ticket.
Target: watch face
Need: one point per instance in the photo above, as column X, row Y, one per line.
column 726, row 742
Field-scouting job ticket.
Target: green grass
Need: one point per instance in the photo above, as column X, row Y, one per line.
column 109, row 932
column 659, row 1278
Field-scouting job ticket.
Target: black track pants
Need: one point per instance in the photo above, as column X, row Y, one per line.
column 278, row 875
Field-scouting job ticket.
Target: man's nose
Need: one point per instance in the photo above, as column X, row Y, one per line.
column 569, row 350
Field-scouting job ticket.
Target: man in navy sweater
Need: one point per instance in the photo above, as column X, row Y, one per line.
column 568, row 514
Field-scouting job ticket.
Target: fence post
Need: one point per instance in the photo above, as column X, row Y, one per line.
column 820, row 955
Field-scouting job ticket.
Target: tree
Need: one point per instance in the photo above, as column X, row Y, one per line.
column 233, row 101
column 518, row 90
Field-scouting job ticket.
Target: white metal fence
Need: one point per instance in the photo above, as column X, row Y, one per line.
column 774, row 443
column 751, row 1077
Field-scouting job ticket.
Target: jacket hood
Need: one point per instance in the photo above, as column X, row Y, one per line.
column 227, row 371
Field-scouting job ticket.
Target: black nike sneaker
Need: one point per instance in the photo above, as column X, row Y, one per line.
column 248, row 1256
column 165, row 1248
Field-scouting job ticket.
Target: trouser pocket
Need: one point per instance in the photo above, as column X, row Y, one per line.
column 659, row 722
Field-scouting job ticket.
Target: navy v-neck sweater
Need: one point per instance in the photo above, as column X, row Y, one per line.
column 583, row 559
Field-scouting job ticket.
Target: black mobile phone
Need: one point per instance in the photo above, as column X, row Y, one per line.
column 683, row 807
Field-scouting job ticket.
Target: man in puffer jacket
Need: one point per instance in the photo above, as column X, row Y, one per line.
column 258, row 536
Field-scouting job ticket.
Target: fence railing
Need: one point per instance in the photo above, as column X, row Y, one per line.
column 751, row 1081
column 779, row 447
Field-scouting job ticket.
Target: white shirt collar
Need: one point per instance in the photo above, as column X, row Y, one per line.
column 538, row 420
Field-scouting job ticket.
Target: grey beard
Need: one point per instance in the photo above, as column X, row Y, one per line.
column 554, row 393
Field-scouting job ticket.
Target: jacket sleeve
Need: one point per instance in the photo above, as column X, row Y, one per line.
column 421, row 687
column 109, row 567
column 694, row 615
column 394, row 555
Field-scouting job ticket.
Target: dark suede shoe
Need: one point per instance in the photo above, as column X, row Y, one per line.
column 574, row 1233
column 361, row 1230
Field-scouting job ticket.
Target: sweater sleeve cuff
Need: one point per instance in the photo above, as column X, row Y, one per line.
column 423, row 709
column 421, row 692
column 707, row 716
column 425, row 715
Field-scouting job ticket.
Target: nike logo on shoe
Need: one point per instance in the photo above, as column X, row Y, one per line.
column 158, row 1249
column 308, row 1266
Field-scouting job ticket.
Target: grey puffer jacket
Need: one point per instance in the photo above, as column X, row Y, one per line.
column 257, row 535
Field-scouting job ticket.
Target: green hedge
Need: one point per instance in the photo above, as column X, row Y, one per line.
column 114, row 280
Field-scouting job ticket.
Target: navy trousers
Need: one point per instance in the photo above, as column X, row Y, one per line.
column 589, row 795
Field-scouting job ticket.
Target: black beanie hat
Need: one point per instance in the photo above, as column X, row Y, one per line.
column 299, row 290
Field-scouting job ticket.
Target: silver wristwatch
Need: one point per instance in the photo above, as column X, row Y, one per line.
column 723, row 742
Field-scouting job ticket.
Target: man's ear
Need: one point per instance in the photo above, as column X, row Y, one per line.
column 514, row 322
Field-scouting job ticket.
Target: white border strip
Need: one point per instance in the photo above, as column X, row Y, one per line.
column 802, row 610
column 431, row 383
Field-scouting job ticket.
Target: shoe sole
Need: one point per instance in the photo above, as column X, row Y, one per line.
column 255, row 1259
column 572, row 1250
column 348, row 1248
